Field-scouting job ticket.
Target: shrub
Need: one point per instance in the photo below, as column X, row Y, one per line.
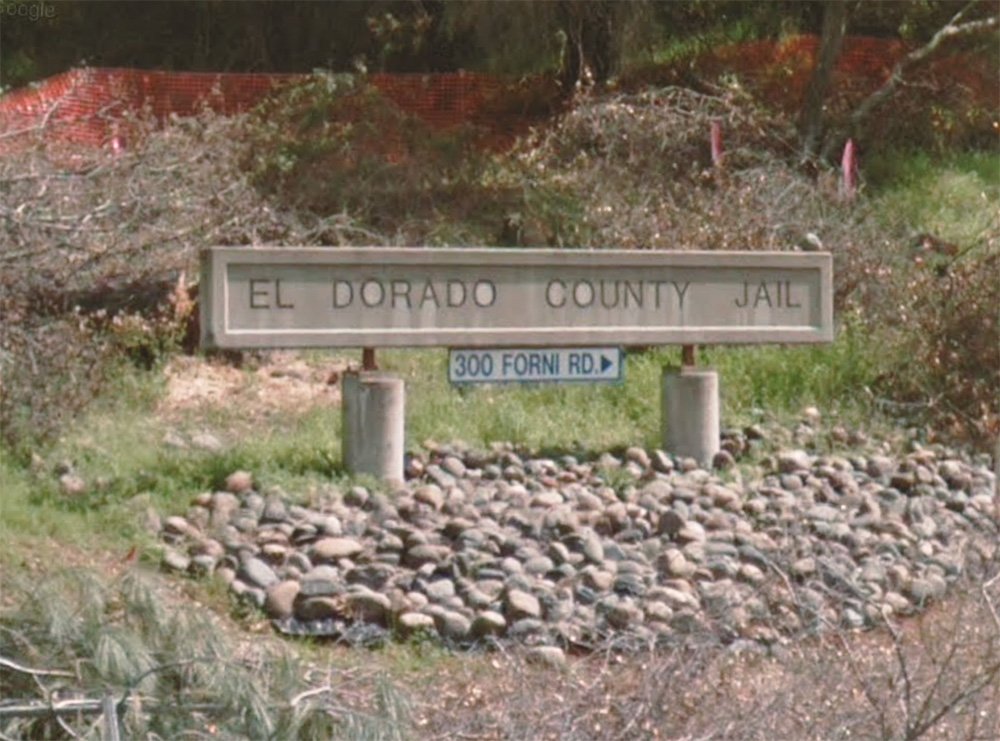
column 949, row 344
column 336, row 144
column 333, row 162
column 928, row 291
column 99, row 258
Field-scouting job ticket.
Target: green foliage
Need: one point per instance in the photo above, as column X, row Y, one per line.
column 567, row 417
column 683, row 43
column 337, row 145
column 33, row 525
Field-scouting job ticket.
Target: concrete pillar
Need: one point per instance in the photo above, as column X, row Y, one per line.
column 373, row 435
column 690, row 413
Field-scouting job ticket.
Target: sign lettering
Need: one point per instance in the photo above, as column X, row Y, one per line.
column 381, row 297
column 536, row 365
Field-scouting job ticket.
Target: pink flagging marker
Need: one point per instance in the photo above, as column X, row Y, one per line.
column 718, row 151
column 849, row 171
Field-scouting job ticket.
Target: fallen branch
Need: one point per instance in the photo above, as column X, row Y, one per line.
column 14, row 666
column 85, row 707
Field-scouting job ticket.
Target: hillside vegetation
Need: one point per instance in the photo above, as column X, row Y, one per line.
column 100, row 253
column 97, row 299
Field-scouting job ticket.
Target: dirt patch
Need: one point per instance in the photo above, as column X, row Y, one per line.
column 278, row 383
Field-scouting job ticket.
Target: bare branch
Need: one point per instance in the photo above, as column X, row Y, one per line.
column 66, row 729
column 970, row 690
column 43, row 709
column 950, row 30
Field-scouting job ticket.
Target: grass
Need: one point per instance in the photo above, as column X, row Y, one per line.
column 781, row 380
column 954, row 196
column 121, row 440
column 684, row 47
column 118, row 449
column 785, row 380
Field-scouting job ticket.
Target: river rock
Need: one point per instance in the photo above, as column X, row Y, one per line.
column 257, row 573
column 239, row 482
column 488, row 623
column 280, row 599
column 334, row 549
column 549, row 656
column 452, row 625
column 790, row 461
column 521, row 604
column 542, row 551
column 367, row 605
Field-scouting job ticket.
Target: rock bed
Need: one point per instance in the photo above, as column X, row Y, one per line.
column 636, row 550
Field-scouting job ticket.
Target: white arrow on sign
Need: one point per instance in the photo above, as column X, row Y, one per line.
column 536, row 365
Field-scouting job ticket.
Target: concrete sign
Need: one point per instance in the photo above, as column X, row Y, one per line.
column 536, row 365
column 382, row 297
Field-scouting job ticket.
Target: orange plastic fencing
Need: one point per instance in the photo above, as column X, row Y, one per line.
column 90, row 107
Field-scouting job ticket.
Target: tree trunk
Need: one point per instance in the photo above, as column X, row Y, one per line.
column 831, row 40
column 571, row 64
column 599, row 41
column 591, row 30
